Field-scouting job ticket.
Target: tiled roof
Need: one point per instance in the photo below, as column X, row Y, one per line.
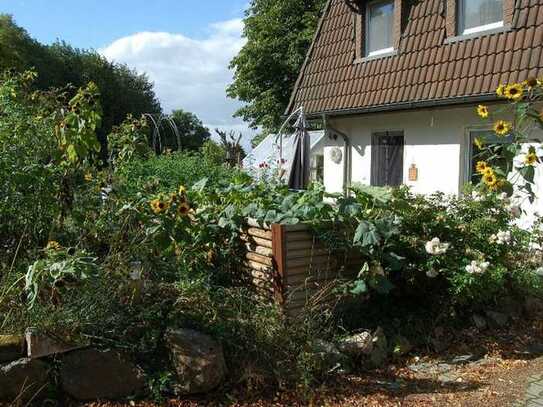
column 426, row 68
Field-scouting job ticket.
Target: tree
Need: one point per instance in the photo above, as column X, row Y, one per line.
column 192, row 132
column 122, row 90
column 278, row 36
column 231, row 144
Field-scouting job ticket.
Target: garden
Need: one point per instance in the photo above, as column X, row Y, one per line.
column 143, row 258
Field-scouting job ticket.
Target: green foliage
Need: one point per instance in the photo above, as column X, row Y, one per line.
column 278, row 36
column 123, row 91
column 192, row 133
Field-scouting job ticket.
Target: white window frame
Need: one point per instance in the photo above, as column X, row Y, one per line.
column 461, row 22
column 381, row 51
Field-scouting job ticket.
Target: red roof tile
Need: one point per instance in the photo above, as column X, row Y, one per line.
column 425, row 68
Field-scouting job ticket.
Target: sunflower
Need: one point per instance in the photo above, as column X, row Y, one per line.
column 481, row 167
column 500, row 90
column 531, row 158
column 183, row 209
column 502, row 127
column 182, row 190
column 482, row 111
column 514, row 92
column 479, row 143
column 488, row 171
column 158, row 206
column 490, row 180
column 53, row 245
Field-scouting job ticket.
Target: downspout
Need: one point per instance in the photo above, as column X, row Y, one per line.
column 333, row 134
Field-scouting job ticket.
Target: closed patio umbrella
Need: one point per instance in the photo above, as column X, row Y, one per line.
column 300, row 169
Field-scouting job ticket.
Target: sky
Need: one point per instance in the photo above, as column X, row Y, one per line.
column 184, row 46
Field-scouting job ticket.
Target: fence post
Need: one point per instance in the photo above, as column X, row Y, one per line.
column 279, row 261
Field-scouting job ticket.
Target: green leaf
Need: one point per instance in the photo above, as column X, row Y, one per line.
column 359, row 287
column 528, row 173
column 72, row 153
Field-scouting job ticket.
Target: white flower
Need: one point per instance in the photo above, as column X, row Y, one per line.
column 476, row 267
column 435, row 247
column 504, row 237
column 433, row 273
column 477, row 196
column 504, row 197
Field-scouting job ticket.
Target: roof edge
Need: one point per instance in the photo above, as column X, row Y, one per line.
column 460, row 100
column 307, row 56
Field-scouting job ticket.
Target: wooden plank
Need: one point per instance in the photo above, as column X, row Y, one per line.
column 311, row 261
column 253, row 240
column 279, row 258
column 261, row 233
column 299, row 236
column 253, row 265
column 267, row 261
column 301, row 253
column 263, row 251
column 302, row 244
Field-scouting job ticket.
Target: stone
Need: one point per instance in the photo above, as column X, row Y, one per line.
column 40, row 345
column 198, row 360
column 464, row 359
column 23, row 379
column 91, row 374
column 357, row 345
column 479, row 321
column 497, row 318
column 379, row 353
column 331, row 358
column 11, row 348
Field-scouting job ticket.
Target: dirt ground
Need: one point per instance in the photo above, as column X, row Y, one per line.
column 498, row 378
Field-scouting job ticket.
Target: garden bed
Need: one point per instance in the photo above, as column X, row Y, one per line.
column 288, row 263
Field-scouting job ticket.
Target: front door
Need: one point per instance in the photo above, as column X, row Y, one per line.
column 387, row 158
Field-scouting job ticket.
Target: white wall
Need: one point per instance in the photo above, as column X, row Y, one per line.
column 435, row 141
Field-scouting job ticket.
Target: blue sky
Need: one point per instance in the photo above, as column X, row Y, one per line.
column 184, row 46
column 96, row 23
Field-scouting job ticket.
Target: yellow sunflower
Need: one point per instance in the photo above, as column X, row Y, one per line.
column 531, row 158
column 482, row 111
column 500, row 90
column 183, row 209
column 514, row 92
column 488, row 171
column 481, row 167
column 479, row 143
column 182, row 190
column 502, row 128
column 53, row 245
column 158, row 206
column 490, row 180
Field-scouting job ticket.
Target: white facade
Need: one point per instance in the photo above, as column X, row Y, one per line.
column 436, row 141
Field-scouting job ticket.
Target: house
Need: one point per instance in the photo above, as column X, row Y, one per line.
column 266, row 153
column 396, row 83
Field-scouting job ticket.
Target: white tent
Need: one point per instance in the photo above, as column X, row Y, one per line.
column 268, row 150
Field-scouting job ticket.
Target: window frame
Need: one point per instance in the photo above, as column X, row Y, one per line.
column 461, row 22
column 381, row 51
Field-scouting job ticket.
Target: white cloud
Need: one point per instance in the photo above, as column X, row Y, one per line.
column 191, row 74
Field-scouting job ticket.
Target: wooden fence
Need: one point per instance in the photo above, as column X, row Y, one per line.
column 289, row 264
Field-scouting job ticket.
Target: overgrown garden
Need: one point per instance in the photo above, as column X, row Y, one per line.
column 115, row 256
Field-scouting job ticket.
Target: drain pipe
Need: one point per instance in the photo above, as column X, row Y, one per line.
column 333, row 133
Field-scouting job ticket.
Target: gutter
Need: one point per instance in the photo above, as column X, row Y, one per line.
column 489, row 97
column 333, row 134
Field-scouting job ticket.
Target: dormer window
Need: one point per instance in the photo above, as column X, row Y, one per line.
column 379, row 27
column 479, row 15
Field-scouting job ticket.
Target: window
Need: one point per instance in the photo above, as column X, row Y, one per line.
column 317, row 168
column 379, row 27
column 479, row 15
column 475, row 155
